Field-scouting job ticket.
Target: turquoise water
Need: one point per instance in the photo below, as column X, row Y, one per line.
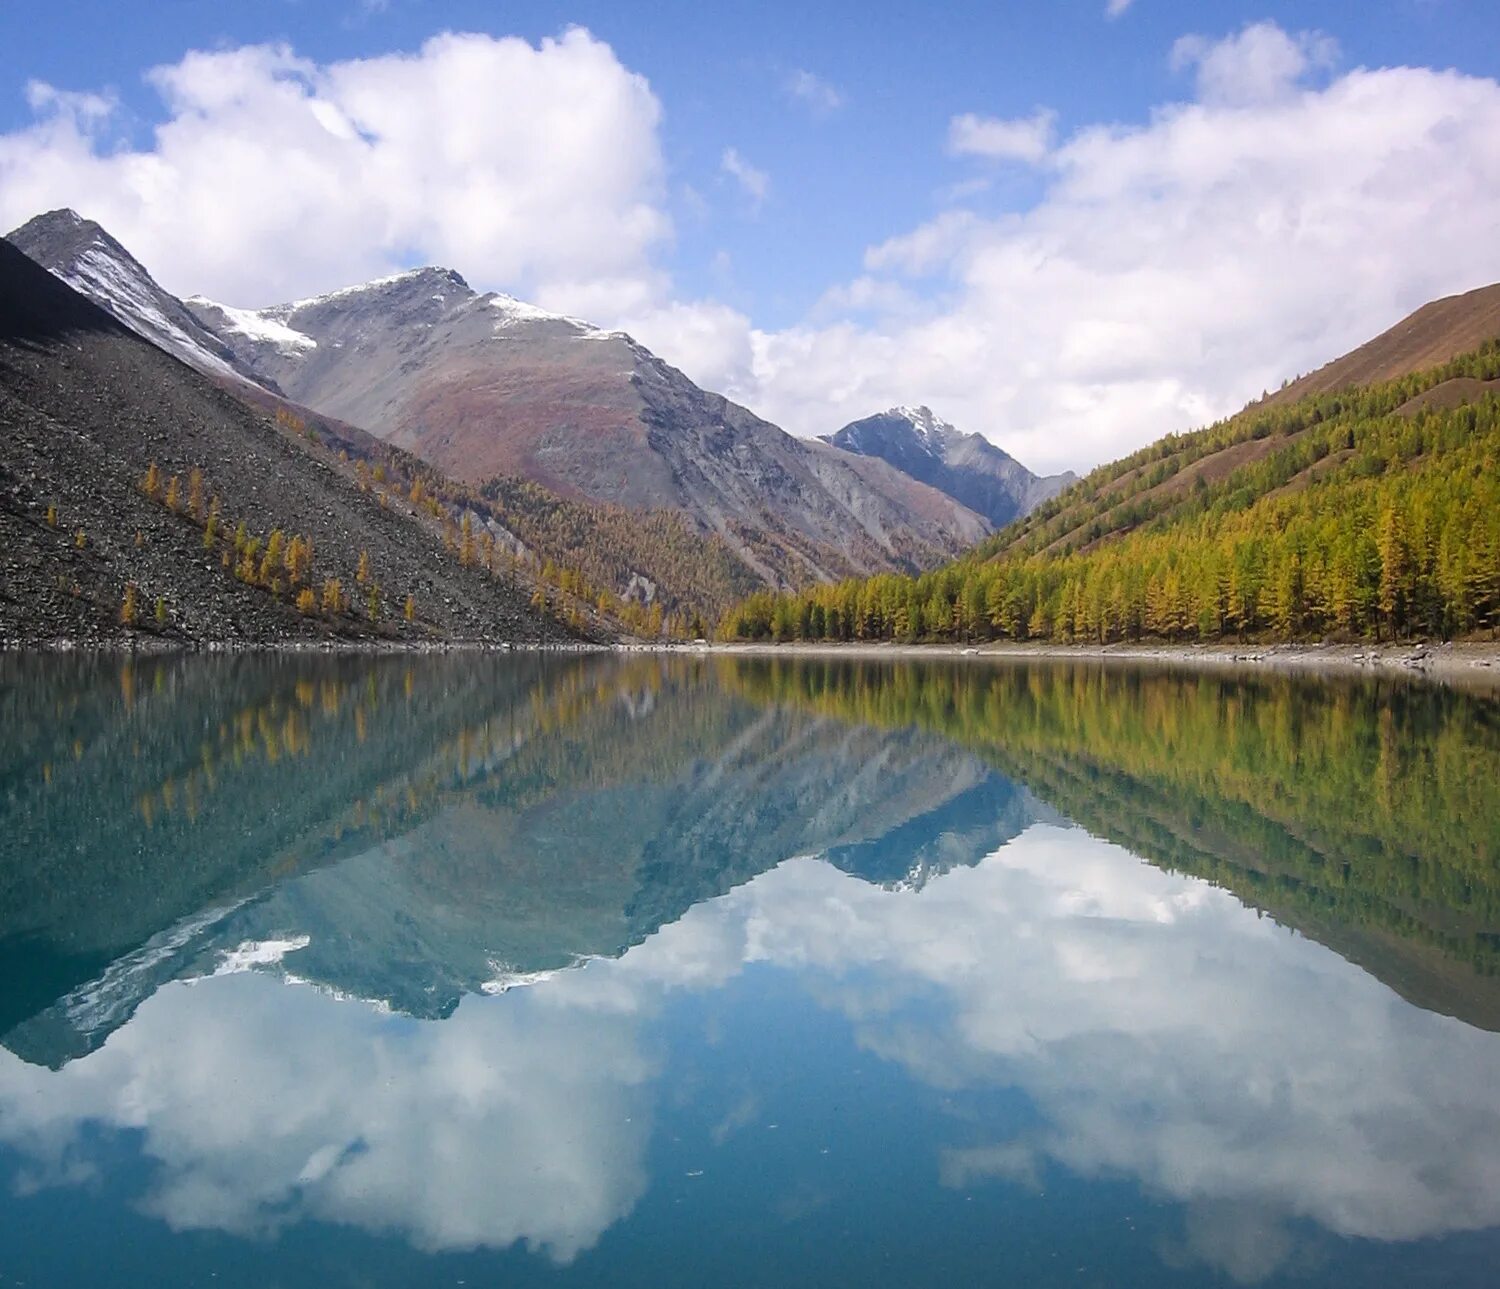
column 599, row 971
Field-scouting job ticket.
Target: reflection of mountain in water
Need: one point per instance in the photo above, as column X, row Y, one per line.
column 413, row 832
column 1362, row 813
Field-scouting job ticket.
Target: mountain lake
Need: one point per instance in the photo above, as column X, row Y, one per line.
column 656, row 970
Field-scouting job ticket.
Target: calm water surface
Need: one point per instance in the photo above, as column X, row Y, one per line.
column 657, row 972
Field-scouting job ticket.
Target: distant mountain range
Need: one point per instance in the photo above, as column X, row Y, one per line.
column 484, row 387
column 968, row 467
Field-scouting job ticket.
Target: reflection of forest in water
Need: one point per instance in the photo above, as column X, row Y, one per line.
column 1364, row 813
column 436, row 826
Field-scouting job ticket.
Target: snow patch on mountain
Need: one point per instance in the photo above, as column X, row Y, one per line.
column 445, row 281
column 134, row 300
column 258, row 324
column 928, row 426
column 517, row 313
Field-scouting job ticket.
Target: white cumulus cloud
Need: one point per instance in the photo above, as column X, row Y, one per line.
column 273, row 175
column 1169, row 271
column 1026, row 138
column 1260, row 64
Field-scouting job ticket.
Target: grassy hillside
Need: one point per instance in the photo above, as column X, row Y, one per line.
column 1367, row 513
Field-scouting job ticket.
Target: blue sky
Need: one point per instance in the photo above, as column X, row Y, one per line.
column 787, row 142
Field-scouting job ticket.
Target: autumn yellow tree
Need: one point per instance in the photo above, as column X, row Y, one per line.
column 466, row 541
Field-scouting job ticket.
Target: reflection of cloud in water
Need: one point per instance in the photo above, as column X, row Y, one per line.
column 1163, row 1032
column 264, row 1105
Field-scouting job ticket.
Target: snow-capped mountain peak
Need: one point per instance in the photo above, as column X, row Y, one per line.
column 927, row 425
column 968, row 467
column 93, row 263
column 431, row 280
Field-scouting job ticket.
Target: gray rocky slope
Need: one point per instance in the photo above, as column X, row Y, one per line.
column 968, row 467
column 86, row 406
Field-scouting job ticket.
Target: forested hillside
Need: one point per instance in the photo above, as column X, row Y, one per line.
column 1364, row 514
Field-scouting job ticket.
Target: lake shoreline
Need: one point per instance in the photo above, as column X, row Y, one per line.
column 1468, row 662
column 1474, row 663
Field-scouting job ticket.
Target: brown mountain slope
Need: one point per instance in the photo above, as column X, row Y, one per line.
column 87, row 407
column 481, row 385
column 1435, row 334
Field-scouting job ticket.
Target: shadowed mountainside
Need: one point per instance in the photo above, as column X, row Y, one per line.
column 98, row 546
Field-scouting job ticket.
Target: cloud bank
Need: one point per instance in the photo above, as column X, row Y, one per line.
column 1169, row 271
column 273, row 176
column 1162, row 273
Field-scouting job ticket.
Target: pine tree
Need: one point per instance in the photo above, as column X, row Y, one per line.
column 1395, row 568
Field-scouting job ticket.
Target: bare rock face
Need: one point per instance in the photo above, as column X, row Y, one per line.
column 967, row 467
column 87, row 407
column 481, row 385
column 89, row 260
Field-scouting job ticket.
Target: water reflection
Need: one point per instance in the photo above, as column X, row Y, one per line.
column 438, row 966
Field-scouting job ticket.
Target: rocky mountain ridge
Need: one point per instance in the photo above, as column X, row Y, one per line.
column 483, row 385
column 967, row 467
column 488, row 387
column 98, row 267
